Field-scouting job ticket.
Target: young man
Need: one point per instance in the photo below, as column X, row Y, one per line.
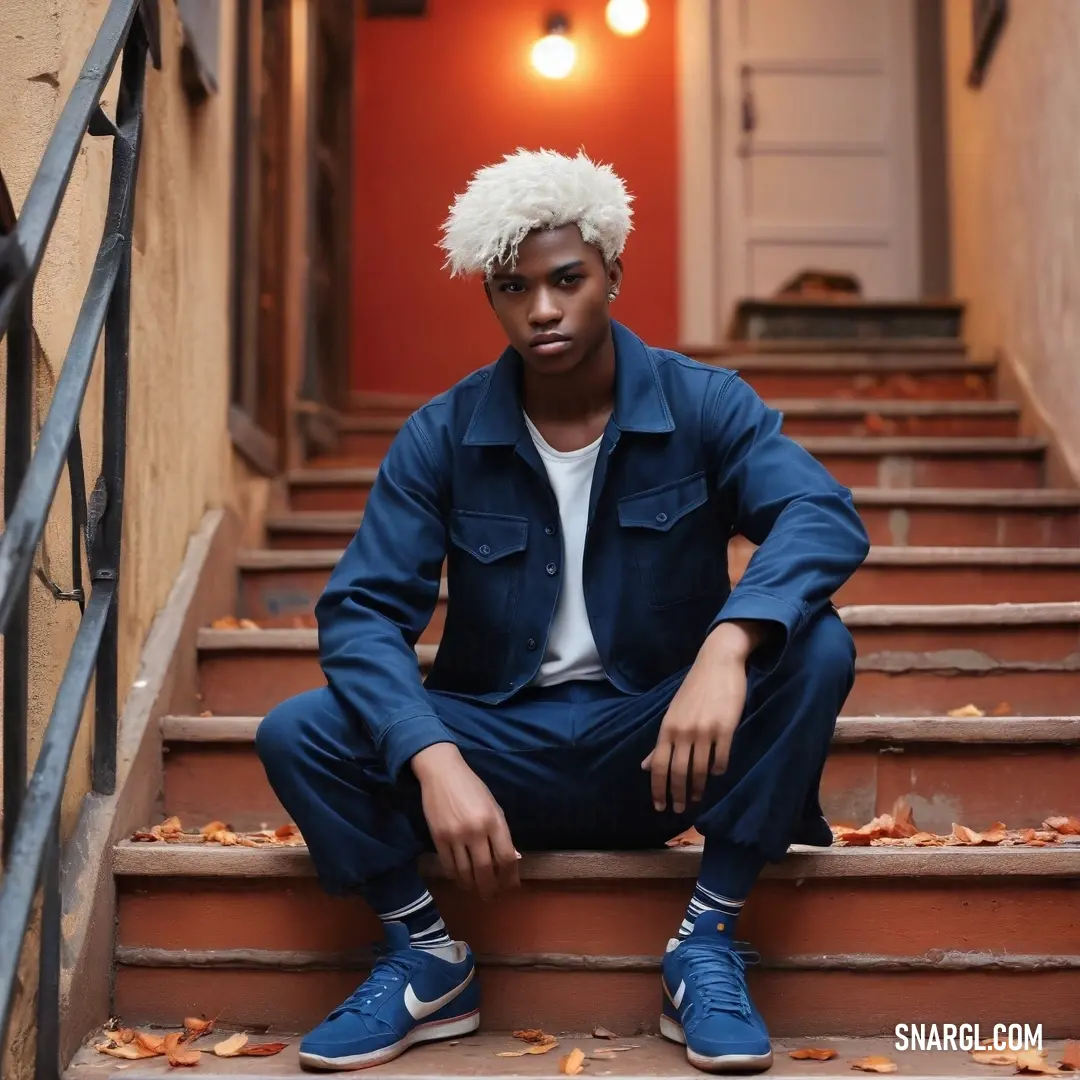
column 599, row 684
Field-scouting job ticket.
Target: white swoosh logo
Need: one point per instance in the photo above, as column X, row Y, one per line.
column 418, row 1008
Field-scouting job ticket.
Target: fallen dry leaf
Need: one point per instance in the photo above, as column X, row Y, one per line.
column 213, row 827
column 875, row 1064
column 690, row 838
column 231, row 1046
column 151, row 1042
column 994, row 835
column 176, row 1050
column 1002, row 709
column 1067, row 826
column 205, row 713
column 994, row 1057
column 226, row 622
column 128, row 1051
column 195, row 1026
column 813, row 1053
column 603, row 1033
column 1070, row 1058
column 1034, row 1061
column 287, row 832
column 263, row 1049
column 536, row 1048
column 573, row 1063
column 533, row 1035
column 611, row 1051
column 965, row 711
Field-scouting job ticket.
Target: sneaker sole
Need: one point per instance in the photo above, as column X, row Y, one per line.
column 737, row 1063
column 438, row 1029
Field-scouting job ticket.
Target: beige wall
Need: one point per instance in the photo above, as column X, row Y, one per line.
column 179, row 458
column 1015, row 200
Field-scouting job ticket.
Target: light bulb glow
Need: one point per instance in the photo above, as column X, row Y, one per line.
column 627, row 17
column 554, row 56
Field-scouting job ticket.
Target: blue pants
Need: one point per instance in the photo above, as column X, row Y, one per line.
column 564, row 763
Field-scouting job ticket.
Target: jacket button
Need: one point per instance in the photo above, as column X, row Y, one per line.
column 549, row 529
column 551, row 568
column 661, row 517
column 485, row 550
column 530, row 644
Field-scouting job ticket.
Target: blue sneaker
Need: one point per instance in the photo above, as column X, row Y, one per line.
column 706, row 1005
column 410, row 996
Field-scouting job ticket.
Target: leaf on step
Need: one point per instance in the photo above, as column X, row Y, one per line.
column 263, row 1049
column 247, row 624
column 690, row 838
column 205, row 713
column 903, row 820
column 144, row 837
column 813, row 1053
column 212, row 827
column 149, row 1041
column 226, row 622
column 966, row 711
column 1070, row 1059
column 127, row 1051
column 536, row 1048
column 124, row 1035
column 1002, row 709
column 533, row 1035
column 874, row 1063
column 610, row 1052
column 573, row 1063
column 195, row 1026
column 994, row 835
column 178, row 1052
column 1067, row 826
column 1034, row 1061
column 231, row 1046
column 286, row 833
column 994, row 1057
column 603, row 1033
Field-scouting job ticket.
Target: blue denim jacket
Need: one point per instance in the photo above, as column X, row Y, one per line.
column 690, row 457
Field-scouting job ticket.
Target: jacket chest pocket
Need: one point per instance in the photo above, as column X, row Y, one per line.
column 672, row 541
column 485, row 566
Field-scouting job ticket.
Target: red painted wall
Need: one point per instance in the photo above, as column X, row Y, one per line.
column 441, row 96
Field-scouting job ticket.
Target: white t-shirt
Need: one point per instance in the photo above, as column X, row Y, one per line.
column 571, row 651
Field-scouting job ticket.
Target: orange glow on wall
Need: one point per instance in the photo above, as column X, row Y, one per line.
column 440, row 96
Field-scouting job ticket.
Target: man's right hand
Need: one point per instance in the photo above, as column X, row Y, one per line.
column 466, row 823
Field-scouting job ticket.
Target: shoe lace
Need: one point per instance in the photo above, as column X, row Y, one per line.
column 390, row 970
column 719, row 979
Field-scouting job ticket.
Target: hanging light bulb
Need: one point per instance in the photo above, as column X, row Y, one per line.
column 555, row 54
column 627, row 17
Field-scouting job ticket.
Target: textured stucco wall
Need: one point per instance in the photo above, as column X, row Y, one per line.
column 1015, row 200
column 179, row 457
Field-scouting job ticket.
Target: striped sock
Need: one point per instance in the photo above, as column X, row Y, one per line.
column 424, row 923
column 705, row 900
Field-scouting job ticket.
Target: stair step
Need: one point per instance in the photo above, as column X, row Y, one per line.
column 968, row 770
column 247, row 934
column 367, row 437
column 279, row 586
column 1033, row 517
column 932, row 659
column 889, row 462
column 800, row 317
column 652, row 1056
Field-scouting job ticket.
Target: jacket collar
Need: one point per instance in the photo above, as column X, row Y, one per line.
column 640, row 404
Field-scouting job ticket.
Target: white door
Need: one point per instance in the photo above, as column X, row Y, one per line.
column 817, row 162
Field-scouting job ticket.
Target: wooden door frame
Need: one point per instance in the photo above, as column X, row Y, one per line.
column 706, row 172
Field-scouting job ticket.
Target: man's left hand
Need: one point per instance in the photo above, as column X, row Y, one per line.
column 696, row 733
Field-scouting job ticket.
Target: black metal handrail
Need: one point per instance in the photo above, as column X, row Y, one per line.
column 31, row 836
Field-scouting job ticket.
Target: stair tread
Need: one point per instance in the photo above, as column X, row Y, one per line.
column 141, row 859
column 886, row 357
column 849, row 729
column 861, row 615
column 849, row 445
column 981, row 498
column 258, row 559
column 390, row 423
column 475, row 1055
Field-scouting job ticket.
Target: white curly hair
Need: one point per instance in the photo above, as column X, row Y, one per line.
column 534, row 189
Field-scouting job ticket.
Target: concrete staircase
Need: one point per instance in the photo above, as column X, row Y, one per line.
column 963, row 600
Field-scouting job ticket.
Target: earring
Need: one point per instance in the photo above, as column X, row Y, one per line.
column 611, row 295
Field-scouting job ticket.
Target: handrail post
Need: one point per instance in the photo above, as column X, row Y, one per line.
column 17, row 451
